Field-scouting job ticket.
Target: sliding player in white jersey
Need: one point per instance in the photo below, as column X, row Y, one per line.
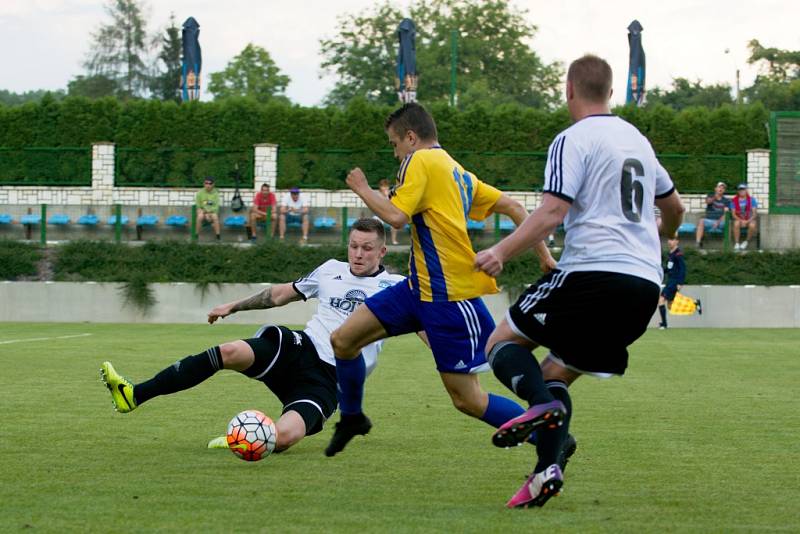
column 297, row 366
column 603, row 181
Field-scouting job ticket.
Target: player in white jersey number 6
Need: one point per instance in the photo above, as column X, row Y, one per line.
column 602, row 179
column 297, row 366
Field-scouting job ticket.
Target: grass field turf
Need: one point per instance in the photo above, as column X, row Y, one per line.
column 701, row 435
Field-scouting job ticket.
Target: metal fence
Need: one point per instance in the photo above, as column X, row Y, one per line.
column 56, row 166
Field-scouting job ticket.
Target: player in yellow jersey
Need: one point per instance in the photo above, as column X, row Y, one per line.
column 442, row 292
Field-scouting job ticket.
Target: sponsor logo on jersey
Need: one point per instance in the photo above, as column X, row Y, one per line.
column 352, row 300
column 383, row 284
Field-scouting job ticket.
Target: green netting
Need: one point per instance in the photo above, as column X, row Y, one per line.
column 787, row 161
column 59, row 166
column 180, row 167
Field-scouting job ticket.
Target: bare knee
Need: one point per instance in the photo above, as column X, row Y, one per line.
column 236, row 355
column 342, row 348
column 291, row 428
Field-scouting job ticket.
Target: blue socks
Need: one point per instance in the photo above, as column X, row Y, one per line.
column 500, row 409
column 351, row 374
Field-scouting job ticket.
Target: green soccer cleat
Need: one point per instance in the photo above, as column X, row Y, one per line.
column 218, row 443
column 121, row 389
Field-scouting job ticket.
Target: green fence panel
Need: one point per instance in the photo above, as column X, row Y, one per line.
column 46, row 166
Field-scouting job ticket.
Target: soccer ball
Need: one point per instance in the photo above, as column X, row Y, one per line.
column 252, row 435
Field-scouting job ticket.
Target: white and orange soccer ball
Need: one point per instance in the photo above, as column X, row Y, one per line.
column 252, row 435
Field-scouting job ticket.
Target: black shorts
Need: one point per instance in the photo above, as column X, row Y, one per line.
column 586, row 319
column 288, row 363
column 669, row 291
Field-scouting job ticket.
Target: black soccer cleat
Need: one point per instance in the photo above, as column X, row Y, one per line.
column 346, row 429
column 567, row 450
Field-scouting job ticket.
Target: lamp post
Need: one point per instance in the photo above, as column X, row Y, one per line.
column 733, row 62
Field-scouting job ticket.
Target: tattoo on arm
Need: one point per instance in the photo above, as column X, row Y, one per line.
column 259, row 301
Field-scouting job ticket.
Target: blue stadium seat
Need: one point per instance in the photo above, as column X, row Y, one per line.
column 59, row 219
column 30, row 219
column 507, row 225
column 324, row 222
column 113, row 220
column 176, row 220
column 351, row 220
column 475, row 225
column 147, row 220
column 88, row 220
column 688, row 228
column 6, row 218
column 235, row 221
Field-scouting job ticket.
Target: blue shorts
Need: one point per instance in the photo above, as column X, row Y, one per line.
column 708, row 225
column 457, row 331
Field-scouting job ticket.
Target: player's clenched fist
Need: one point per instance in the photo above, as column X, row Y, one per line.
column 489, row 262
column 356, row 179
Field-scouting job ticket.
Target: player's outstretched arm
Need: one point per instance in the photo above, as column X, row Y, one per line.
column 271, row 297
column 672, row 211
column 516, row 211
column 379, row 204
column 539, row 224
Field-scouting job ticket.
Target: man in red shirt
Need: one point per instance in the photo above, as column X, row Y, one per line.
column 263, row 202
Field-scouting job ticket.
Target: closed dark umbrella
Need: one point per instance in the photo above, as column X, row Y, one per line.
column 407, row 62
column 636, row 69
column 192, row 60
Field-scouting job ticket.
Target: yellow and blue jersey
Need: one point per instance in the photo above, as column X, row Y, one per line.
column 438, row 195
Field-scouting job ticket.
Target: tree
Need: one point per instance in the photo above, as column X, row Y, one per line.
column 96, row 86
column 164, row 83
column 493, row 54
column 119, row 49
column 252, row 73
column 778, row 85
column 685, row 94
column 10, row 98
column 781, row 65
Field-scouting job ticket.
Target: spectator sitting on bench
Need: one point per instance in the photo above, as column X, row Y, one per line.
column 207, row 201
column 744, row 211
column 716, row 206
column 294, row 209
column 263, row 202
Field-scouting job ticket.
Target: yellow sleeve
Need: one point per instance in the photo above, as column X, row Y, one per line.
column 412, row 179
column 483, row 201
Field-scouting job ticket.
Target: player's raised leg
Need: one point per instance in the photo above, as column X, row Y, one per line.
column 181, row 375
column 359, row 330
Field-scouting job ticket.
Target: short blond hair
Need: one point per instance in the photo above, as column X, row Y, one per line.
column 591, row 78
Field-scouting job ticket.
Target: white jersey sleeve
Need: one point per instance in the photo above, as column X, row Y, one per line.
column 565, row 170
column 308, row 286
column 664, row 185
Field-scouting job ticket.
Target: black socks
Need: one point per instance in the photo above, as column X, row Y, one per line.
column 183, row 374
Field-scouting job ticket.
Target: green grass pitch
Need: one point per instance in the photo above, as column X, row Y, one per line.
column 701, row 435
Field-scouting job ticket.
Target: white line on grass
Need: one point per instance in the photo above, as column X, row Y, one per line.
column 41, row 339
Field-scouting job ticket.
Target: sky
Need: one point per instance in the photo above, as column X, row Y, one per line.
column 44, row 42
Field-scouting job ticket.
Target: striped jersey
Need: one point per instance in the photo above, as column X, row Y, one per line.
column 438, row 195
column 608, row 171
column 339, row 293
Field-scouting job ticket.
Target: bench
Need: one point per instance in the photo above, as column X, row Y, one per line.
column 475, row 225
column 6, row 218
column 122, row 220
column 30, row 219
column 147, row 220
column 58, row 219
column 235, row 221
column 88, row 220
column 176, row 220
column 324, row 223
column 507, row 225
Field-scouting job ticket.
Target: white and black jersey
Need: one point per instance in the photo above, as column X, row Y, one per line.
column 340, row 292
column 608, row 171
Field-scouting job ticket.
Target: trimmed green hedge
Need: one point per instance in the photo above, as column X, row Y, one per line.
column 18, row 259
column 276, row 262
column 474, row 136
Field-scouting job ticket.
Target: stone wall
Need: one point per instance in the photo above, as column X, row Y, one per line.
column 103, row 193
